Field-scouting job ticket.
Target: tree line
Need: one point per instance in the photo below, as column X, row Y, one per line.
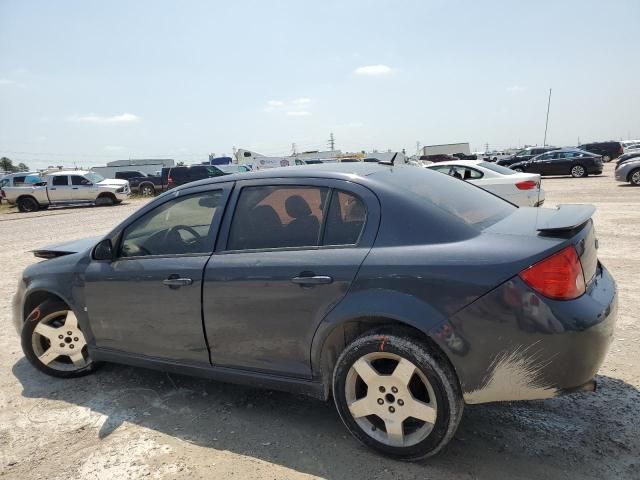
column 6, row 165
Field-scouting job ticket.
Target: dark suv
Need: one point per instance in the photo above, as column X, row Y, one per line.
column 524, row 155
column 607, row 150
column 174, row 176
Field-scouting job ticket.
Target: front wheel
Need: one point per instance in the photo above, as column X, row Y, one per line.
column 634, row 177
column 53, row 342
column 397, row 397
column 27, row 204
column 578, row 171
column 606, row 158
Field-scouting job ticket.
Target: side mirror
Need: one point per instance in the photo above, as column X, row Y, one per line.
column 103, row 250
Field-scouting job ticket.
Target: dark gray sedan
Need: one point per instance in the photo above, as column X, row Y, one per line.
column 401, row 292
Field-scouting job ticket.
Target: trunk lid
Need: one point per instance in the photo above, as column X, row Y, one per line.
column 567, row 224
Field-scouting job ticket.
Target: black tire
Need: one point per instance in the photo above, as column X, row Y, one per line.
column 578, row 171
column 147, row 190
column 106, row 199
column 634, row 177
column 449, row 404
column 606, row 158
column 27, row 204
column 53, row 312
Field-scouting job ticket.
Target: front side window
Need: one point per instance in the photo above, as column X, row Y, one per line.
column 278, row 217
column 78, row 180
column 60, row 180
column 180, row 226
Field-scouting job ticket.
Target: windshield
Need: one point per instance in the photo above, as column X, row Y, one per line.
column 94, row 177
column 497, row 168
column 473, row 205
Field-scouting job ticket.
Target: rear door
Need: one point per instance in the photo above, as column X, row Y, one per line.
column 288, row 252
column 59, row 189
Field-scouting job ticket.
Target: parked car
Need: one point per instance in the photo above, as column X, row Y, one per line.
column 128, row 174
column 67, row 188
column 523, row 155
column 607, row 150
column 377, row 286
column 495, row 156
column 233, row 168
column 146, row 185
column 522, row 189
column 464, row 156
column 438, row 157
column 629, row 171
column 172, row 177
column 19, row 179
column 566, row 161
column 627, row 157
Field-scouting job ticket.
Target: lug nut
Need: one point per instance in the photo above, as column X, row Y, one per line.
column 400, row 402
column 60, row 337
column 62, row 345
column 75, row 339
column 71, row 346
column 69, row 333
column 380, row 401
column 382, row 390
column 392, row 410
column 394, row 389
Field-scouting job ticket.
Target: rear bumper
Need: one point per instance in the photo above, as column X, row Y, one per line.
column 521, row 346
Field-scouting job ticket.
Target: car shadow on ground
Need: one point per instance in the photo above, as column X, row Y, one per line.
column 579, row 436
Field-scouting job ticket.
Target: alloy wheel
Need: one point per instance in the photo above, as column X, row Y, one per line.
column 148, row 191
column 635, row 178
column 578, row 171
column 390, row 399
column 59, row 343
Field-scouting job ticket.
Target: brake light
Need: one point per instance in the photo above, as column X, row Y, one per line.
column 526, row 185
column 558, row 277
column 170, row 182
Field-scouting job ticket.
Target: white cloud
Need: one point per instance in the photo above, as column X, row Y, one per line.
column 301, row 101
column 93, row 118
column 515, row 88
column 373, row 70
column 275, row 103
column 296, row 107
column 299, row 113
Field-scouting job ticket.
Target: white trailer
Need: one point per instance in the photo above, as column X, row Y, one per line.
column 447, row 149
column 148, row 166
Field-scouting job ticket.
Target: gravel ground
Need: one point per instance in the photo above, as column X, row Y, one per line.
column 126, row 422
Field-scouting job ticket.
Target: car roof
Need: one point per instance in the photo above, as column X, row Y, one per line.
column 69, row 172
column 338, row 171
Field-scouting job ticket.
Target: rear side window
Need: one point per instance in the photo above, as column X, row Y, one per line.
column 472, row 205
column 18, row 180
column 277, row 217
column 497, row 168
column 60, row 180
column 345, row 219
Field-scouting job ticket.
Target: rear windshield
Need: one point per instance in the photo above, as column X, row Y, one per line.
column 474, row 206
column 497, row 168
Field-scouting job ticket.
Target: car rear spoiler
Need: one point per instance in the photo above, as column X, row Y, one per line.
column 567, row 217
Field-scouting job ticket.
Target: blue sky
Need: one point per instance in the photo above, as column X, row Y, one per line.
column 91, row 81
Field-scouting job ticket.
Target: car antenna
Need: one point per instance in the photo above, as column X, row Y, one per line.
column 390, row 162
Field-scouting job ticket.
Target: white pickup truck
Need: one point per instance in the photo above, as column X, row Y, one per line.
column 68, row 188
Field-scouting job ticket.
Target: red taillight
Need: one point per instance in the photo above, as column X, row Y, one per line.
column 170, row 182
column 559, row 277
column 526, row 185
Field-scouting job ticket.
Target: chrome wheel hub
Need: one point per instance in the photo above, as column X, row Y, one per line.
column 391, row 399
column 578, row 171
column 59, row 343
column 635, row 178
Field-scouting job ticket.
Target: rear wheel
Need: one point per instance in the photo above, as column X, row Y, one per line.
column 606, row 158
column 396, row 397
column 634, row 177
column 578, row 171
column 53, row 342
column 27, row 204
column 147, row 190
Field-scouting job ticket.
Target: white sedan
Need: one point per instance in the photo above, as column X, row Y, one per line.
column 522, row 189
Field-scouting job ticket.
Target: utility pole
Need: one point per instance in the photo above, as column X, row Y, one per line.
column 486, row 147
column 418, row 149
column 332, row 142
column 546, row 124
column 293, row 148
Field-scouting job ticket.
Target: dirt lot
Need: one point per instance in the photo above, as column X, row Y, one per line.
column 128, row 422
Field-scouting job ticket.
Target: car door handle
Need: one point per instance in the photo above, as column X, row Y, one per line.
column 312, row 280
column 176, row 282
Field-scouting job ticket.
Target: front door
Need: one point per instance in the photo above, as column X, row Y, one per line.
column 285, row 259
column 148, row 300
column 82, row 190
